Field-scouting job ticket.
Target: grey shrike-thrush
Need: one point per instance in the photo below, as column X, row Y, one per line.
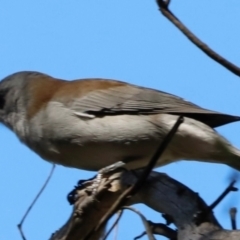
column 92, row 123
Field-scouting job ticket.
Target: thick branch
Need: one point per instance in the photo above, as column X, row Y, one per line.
column 159, row 192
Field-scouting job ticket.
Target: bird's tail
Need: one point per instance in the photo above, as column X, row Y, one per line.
column 234, row 159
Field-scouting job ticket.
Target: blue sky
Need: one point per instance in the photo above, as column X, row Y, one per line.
column 125, row 40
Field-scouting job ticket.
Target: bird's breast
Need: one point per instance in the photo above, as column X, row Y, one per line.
column 95, row 143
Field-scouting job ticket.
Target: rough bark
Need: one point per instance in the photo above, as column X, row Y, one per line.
column 160, row 192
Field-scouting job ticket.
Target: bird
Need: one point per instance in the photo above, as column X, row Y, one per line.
column 93, row 123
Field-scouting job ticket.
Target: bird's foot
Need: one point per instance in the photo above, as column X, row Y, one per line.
column 104, row 171
column 94, row 182
column 111, row 168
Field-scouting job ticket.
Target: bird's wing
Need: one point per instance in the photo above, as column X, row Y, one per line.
column 130, row 99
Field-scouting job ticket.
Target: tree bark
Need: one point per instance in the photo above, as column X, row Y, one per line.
column 160, row 192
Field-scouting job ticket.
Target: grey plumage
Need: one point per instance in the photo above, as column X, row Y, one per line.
column 132, row 99
column 92, row 123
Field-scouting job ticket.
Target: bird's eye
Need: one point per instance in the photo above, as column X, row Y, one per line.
column 2, row 100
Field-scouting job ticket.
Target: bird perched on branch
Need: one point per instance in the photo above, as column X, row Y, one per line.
column 92, row 123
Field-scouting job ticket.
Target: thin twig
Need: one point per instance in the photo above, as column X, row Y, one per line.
column 116, row 228
column 229, row 189
column 157, row 155
column 160, row 229
column 140, row 236
column 233, row 212
column 144, row 220
column 163, row 6
column 122, row 199
column 33, row 203
column 114, row 224
column 200, row 216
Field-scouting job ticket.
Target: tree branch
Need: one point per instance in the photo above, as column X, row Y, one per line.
column 163, row 7
column 159, row 192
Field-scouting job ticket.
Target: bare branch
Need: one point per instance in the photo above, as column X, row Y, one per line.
column 229, row 189
column 160, row 229
column 33, row 202
column 144, row 220
column 114, row 225
column 163, row 6
column 233, row 213
column 159, row 192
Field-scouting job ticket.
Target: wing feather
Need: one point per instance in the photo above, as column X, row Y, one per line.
column 131, row 99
